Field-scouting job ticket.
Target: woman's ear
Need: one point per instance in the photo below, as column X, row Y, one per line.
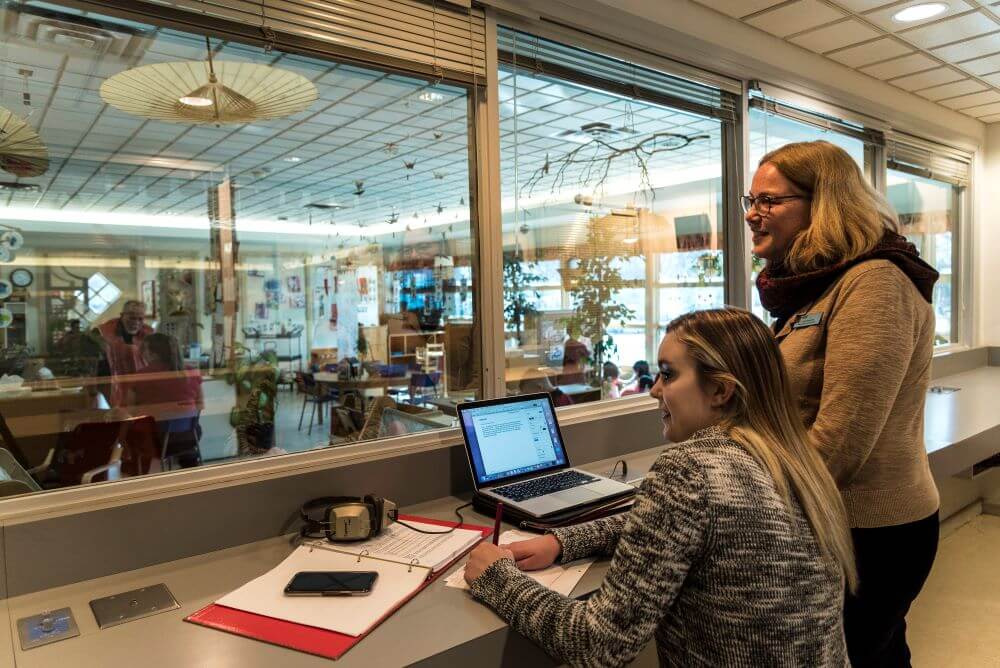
column 721, row 391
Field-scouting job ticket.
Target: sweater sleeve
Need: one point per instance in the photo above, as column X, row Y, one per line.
column 870, row 341
column 598, row 537
column 660, row 539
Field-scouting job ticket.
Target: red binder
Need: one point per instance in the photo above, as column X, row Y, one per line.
column 309, row 639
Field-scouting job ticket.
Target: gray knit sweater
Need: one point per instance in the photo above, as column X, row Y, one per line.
column 709, row 561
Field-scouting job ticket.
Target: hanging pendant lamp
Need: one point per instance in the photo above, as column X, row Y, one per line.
column 22, row 152
column 209, row 92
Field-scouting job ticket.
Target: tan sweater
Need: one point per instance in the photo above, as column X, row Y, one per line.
column 861, row 376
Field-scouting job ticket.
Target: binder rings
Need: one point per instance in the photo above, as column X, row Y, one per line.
column 310, row 639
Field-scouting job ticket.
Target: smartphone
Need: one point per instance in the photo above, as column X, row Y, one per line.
column 331, row 583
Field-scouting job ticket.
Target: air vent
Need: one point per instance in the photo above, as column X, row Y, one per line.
column 70, row 33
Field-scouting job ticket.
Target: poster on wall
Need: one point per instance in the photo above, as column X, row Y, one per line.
column 272, row 293
column 294, row 284
column 367, row 295
column 297, row 301
column 260, row 311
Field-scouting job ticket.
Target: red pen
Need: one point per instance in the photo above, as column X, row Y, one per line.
column 496, row 523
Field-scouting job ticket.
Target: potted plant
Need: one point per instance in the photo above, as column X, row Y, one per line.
column 594, row 283
column 255, row 377
column 518, row 304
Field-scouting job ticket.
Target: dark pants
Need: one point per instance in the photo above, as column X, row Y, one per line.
column 893, row 563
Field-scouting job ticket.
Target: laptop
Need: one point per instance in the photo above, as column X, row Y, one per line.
column 516, row 456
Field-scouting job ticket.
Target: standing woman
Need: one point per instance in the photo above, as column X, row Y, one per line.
column 851, row 300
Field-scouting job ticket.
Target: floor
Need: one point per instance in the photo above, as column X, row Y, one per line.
column 956, row 619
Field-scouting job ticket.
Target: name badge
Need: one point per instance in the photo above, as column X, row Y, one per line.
column 808, row 320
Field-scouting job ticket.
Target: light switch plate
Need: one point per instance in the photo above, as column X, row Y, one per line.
column 46, row 627
column 131, row 605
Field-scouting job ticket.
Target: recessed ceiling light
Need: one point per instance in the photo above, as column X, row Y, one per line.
column 429, row 96
column 919, row 12
column 293, row 158
column 195, row 101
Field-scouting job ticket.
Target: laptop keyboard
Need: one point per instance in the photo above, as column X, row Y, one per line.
column 529, row 489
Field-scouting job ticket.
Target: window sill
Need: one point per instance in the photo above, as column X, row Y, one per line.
column 46, row 505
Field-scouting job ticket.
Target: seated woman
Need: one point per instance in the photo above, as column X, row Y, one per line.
column 736, row 551
column 170, row 393
column 643, row 384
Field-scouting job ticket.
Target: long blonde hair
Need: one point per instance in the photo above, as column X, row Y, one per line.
column 732, row 346
column 847, row 216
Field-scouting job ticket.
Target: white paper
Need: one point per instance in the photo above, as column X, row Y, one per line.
column 399, row 543
column 561, row 578
column 352, row 615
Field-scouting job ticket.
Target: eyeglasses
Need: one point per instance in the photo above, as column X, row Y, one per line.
column 763, row 203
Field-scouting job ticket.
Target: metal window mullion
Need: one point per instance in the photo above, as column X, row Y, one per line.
column 490, row 229
column 736, row 256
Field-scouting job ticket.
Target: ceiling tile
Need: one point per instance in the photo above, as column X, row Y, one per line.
column 941, row 75
column 872, row 52
column 883, row 17
column 738, row 8
column 952, row 90
column 835, row 36
column 861, row 5
column 897, row 67
column 984, row 110
column 950, row 30
column 982, row 65
column 974, row 100
column 993, row 79
column 796, row 17
column 994, row 118
column 974, row 48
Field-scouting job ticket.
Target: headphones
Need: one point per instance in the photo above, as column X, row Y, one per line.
column 347, row 518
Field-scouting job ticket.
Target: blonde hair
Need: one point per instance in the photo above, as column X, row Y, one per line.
column 732, row 346
column 847, row 216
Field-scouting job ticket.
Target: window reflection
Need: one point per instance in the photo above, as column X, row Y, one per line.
column 278, row 263
column 612, row 214
column 927, row 211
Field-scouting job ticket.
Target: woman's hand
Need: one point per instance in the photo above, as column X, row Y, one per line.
column 482, row 557
column 537, row 553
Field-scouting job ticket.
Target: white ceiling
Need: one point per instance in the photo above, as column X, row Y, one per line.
column 952, row 59
column 122, row 172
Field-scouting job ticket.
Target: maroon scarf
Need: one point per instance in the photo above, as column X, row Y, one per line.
column 783, row 294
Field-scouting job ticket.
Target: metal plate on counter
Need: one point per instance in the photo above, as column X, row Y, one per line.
column 131, row 605
column 46, row 628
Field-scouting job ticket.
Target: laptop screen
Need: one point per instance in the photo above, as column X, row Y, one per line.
column 512, row 438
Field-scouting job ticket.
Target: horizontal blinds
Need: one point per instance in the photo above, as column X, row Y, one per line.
column 867, row 135
column 913, row 155
column 431, row 33
column 543, row 56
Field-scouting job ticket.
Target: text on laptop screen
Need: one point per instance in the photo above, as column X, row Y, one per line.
column 512, row 439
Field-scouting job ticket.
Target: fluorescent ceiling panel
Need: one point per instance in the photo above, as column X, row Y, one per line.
column 897, row 67
column 872, row 52
column 796, row 17
column 835, row 36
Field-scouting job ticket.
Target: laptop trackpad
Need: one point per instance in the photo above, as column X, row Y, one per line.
column 573, row 496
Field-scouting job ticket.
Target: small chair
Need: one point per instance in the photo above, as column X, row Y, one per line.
column 423, row 386
column 95, row 449
column 312, row 393
column 180, row 442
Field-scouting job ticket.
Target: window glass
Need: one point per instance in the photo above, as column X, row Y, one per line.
column 768, row 132
column 928, row 213
column 281, row 263
column 614, row 205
